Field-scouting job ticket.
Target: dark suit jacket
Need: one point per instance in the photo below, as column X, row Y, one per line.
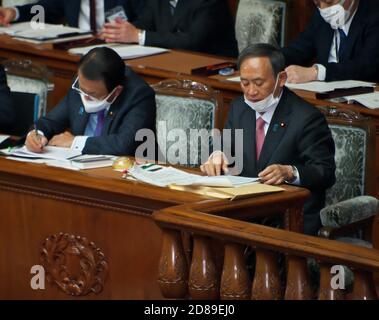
column 7, row 112
column 56, row 10
column 298, row 135
column 133, row 110
column 360, row 61
column 197, row 25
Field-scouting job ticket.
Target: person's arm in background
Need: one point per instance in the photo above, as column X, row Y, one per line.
column 53, row 12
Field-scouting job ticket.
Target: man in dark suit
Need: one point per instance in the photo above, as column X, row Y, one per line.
column 76, row 13
column 107, row 105
column 7, row 112
column 285, row 139
column 341, row 41
column 197, row 25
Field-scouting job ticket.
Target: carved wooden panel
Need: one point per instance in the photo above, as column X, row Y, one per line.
column 76, row 265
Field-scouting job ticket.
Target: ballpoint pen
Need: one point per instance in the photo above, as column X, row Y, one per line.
column 38, row 136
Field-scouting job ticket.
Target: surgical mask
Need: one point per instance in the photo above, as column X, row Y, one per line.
column 94, row 106
column 336, row 15
column 265, row 104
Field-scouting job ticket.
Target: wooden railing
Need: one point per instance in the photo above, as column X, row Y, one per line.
column 215, row 266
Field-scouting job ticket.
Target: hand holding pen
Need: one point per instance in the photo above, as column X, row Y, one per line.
column 35, row 141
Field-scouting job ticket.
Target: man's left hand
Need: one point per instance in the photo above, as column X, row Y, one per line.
column 120, row 31
column 63, row 140
column 276, row 174
column 297, row 74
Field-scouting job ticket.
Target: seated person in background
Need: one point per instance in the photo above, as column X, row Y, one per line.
column 285, row 139
column 107, row 105
column 342, row 40
column 7, row 112
column 76, row 13
column 197, row 25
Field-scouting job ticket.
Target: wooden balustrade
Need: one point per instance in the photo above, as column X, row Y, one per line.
column 234, row 282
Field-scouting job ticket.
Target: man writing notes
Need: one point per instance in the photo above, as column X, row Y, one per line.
column 85, row 14
column 285, row 139
column 340, row 43
column 107, row 105
column 197, row 25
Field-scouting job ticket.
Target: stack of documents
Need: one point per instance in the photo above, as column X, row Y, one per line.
column 166, row 176
column 369, row 100
column 321, row 86
column 59, row 157
column 126, row 51
column 50, row 33
column 221, row 187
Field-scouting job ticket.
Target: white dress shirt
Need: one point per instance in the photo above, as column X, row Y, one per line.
column 84, row 15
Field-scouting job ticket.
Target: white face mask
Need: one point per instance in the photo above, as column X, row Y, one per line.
column 336, row 15
column 94, row 106
column 265, row 104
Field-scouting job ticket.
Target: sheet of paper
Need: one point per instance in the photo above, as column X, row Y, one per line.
column 125, row 51
column 234, row 79
column 320, row 86
column 166, row 176
column 52, row 153
column 3, row 138
column 369, row 100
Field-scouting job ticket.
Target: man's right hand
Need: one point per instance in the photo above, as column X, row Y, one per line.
column 7, row 15
column 35, row 142
column 216, row 164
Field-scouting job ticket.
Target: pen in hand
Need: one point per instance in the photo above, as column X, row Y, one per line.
column 38, row 137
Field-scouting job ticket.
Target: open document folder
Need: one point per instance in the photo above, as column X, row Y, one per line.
column 221, row 187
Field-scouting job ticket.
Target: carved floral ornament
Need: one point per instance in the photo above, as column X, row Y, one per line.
column 74, row 264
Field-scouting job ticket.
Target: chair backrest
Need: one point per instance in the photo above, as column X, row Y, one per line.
column 183, row 108
column 260, row 21
column 25, row 76
column 354, row 137
column 27, row 107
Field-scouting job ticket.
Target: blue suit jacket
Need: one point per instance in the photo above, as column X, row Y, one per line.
column 69, row 10
column 360, row 60
column 133, row 110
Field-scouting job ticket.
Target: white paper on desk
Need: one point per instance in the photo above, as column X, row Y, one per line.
column 126, row 51
column 51, row 153
column 369, row 100
column 321, row 86
column 165, row 176
column 3, row 138
column 234, row 79
column 50, row 31
column 15, row 28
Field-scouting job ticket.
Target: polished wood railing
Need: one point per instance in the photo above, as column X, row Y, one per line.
column 199, row 274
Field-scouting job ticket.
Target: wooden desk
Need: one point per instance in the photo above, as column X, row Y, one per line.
column 110, row 224
column 175, row 64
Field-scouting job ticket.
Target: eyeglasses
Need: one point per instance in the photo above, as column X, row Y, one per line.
column 75, row 86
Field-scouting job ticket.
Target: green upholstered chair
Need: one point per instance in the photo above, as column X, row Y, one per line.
column 260, row 21
column 26, row 77
column 182, row 107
